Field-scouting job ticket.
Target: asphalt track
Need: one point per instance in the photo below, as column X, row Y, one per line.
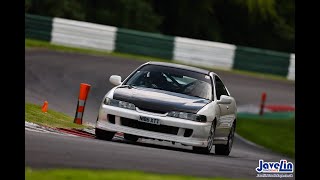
column 56, row 76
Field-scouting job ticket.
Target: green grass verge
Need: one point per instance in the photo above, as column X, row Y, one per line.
column 267, row 116
column 77, row 174
column 277, row 135
column 34, row 114
column 31, row 43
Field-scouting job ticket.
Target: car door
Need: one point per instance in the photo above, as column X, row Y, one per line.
column 227, row 115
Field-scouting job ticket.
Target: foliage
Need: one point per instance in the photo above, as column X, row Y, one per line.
column 268, row 24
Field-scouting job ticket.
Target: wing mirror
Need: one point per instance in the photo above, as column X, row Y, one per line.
column 115, row 80
column 224, row 100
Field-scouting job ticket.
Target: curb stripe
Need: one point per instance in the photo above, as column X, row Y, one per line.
column 248, row 142
column 76, row 132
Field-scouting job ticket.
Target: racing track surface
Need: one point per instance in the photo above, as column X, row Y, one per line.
column 56, row 76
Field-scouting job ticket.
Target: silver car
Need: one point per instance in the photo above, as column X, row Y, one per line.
column 170, row 102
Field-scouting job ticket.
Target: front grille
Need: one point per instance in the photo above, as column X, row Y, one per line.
column 149, row 127
column 151, row 110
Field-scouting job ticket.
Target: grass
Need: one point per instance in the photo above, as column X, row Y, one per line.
column 31, row 43
column 267, row 116
column 277, row 135
column 77, row 174
column 34, row 114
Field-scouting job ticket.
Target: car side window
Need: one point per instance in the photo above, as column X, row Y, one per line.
column 220, row 88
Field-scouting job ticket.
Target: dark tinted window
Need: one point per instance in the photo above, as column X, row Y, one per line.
column 172, row 79
column 220, row 88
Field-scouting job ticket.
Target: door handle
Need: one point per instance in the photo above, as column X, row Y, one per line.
column 227, row 107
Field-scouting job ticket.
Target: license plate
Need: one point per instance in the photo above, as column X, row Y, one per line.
column 149, row 120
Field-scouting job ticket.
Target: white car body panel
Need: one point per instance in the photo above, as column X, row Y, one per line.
column 223, row 114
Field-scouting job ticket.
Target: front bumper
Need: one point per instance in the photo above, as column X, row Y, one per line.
column 199, row 136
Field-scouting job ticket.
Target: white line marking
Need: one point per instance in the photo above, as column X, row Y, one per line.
column 248, row 142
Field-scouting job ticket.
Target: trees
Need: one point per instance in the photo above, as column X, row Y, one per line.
column 258, row 23
column 266, row 24
column 70, row 9
column 131, row 14
column 194, row 19
column 275, row 21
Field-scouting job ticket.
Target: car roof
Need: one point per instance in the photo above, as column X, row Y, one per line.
column 180, row 66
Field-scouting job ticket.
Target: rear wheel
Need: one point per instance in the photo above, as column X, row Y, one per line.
column 225, row 149
column 104, row 135
column 130, row 137
column 206, row 150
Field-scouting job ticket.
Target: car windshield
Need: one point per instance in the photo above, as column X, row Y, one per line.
column 172, row 79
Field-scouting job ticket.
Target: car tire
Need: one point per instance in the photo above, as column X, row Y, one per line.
column 206, row 150
column 225, row 149
column 104, row 135
column 130, row 137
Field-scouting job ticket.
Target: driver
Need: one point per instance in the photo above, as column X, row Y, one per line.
column 157, row 80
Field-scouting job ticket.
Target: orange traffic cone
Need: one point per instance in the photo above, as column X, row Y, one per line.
column 45, row 107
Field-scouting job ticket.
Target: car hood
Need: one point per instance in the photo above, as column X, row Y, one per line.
column 159, row 101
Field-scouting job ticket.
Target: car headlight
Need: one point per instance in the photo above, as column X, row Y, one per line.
column 189, row 116
column 117, row 103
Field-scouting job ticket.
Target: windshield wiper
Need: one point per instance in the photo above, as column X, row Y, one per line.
column 195, row 96
column 126, row 86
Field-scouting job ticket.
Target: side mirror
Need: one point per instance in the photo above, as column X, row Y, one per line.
column 115, row 80
column 224, row 100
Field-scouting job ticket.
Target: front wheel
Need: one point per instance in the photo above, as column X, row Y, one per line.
column 225, row 149
column 104, row 135
column 206, row 150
